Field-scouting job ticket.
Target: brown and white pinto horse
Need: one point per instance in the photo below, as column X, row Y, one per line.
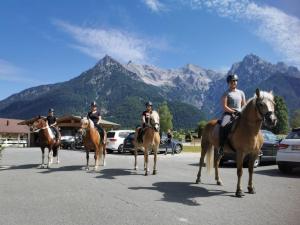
column 46, row 140
column 246, row 138
column 151, row 140
column 92, row 141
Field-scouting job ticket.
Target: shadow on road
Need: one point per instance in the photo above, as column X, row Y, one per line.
column 182, row 192
column 277, row 173
column 113, row 173
column 19, row 167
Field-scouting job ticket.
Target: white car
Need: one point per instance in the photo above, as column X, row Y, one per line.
column 115, row 139
column 288, row 155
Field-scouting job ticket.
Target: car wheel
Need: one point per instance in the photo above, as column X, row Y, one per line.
column 109, row 151
column 178, row 148
column 120, row 149
column 284, row 168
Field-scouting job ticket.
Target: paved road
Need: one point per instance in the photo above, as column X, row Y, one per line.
column 66, row 194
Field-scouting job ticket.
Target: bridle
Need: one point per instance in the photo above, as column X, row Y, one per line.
column 263, row 115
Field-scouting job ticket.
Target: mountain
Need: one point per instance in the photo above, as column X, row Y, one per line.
column 120, row 93
column 255, row 72
column 122, row 89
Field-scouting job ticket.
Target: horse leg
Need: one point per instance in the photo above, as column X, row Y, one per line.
column 155, row 159
column 135, row 158
column 49, row 157
column 252, row 158
column 239, row 165
column 43, row 157
column 146, row 168
column 201, row 162
column 87, row 152
column 104, row 154
column 217, row 162
column 96, row 156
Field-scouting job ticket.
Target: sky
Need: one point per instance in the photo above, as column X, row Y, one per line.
column 43, row 42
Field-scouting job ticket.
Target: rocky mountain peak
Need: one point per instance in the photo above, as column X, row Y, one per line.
column 107, row 61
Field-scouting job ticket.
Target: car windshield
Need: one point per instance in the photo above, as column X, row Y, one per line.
column 110, row 134
column 294, row 135
column 123, row 134
column 268, row 136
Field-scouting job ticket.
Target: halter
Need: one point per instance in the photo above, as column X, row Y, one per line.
column 262, row 115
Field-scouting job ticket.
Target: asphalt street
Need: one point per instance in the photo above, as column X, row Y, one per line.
column 68, row 195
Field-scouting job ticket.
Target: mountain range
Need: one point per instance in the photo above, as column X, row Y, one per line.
column 122, row 89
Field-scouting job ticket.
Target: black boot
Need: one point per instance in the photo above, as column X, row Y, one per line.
column 140, row 135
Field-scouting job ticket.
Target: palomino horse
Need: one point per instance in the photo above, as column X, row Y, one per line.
column 92, row 141
column 151, row 140
column 245, row 138
column 46, row 140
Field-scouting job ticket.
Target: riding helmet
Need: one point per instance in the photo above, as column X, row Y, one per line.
column 231, row 77
column 51, row 110
column 93, row 103
column 148, row 103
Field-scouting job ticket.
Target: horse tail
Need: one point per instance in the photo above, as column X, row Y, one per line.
column 210, row 158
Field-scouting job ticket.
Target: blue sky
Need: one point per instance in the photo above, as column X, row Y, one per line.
column 44, row 42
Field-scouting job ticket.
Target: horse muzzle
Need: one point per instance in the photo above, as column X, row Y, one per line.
column 270, row 119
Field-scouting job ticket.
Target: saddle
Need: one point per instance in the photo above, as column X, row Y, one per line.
column 141, row 132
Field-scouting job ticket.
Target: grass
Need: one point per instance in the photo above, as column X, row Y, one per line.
column 194, row 149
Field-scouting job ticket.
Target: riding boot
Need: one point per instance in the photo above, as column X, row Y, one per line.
column 140, row 135
column 222, row 141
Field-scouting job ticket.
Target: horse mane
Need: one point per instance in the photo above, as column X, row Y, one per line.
column 155, row 115
column 263, row 95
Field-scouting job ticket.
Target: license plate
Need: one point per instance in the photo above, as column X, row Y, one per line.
column 296, row 147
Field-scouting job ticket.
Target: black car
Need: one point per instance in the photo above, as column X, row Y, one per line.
column 129, row 147
column 268, row 150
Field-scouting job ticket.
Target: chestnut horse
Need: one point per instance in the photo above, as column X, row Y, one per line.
column 245, row 138
column 151, row 140
column 46, row 140
column 92, row 141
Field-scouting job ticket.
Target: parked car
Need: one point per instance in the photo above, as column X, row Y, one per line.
column 288, row 156
column 67, row 142
column 129, row 147
column 115, row 140
column 268, row 150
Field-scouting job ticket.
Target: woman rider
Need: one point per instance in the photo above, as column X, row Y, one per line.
column 145, row 120
column 232, row 102
column 51, row 119
column 95, row 116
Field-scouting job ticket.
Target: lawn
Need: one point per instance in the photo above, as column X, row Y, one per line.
column 194, row 149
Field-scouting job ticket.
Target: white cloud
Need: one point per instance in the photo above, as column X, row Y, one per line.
column 9, row 72
column 280, row 30
column 122, row 45
column 154, row 5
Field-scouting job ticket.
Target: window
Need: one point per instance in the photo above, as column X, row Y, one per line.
column 111, row 134
column 294, row 135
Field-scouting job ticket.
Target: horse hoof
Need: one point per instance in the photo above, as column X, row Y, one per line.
column 251, row 190
column 135, row 168
column 154, row 172
column 220, row 183
column 198, row 181
column 146, row 174
column 239, row 194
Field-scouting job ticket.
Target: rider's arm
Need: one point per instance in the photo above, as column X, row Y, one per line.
column 224, row 105
column 243, row 99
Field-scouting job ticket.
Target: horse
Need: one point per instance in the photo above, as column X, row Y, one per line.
column 46, row 140
column 245, row 138
column 92, row 141
column 151, row 140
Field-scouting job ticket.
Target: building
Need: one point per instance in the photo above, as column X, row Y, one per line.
column 11, row 133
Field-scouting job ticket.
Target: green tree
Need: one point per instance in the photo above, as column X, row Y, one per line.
column 295, row 120
column 281, row 112
column 200, row 127
column 165, row 117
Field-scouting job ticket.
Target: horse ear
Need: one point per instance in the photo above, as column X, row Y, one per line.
column 39, row 117
column 257, row 92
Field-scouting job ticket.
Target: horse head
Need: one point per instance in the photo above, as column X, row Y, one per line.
column 39, row 123
column 266, row 107
column 154, row 120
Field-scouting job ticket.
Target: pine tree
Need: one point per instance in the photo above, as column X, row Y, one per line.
column 295, row 120
column 165, row 117
column 281, row 112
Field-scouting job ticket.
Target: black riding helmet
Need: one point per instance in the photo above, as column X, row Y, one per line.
column 148, row 103
column 51, row 110
column 231, row 77
column 93, row 103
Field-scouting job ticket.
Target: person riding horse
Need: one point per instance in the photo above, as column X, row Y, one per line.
column 95, row 116
column 51, row 119
column 145, row 120
column 232, row 102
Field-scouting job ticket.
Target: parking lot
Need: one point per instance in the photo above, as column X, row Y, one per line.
column 67, row 194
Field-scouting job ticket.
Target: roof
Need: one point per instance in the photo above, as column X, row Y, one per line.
column 73, row 121
column 12, row 126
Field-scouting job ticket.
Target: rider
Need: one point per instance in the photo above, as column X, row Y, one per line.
column 95, row 116
column 232, row 102
column 51, row 119
column 145, row 120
